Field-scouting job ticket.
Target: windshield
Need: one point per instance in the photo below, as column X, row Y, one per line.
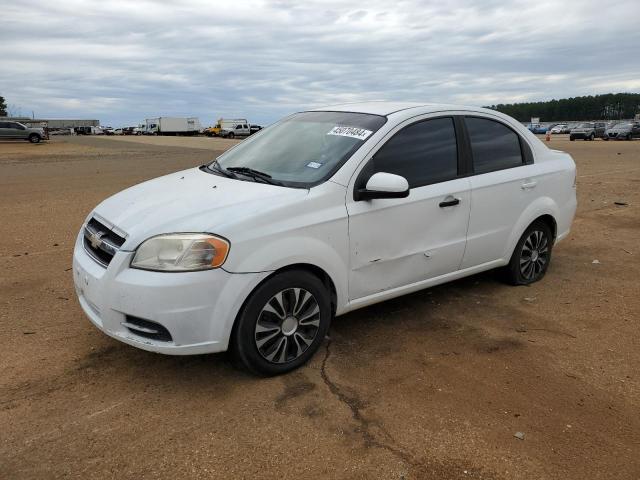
column 304, row 149
column 622, row 125
column 586, row 125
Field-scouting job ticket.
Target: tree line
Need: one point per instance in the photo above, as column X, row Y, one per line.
column 610, row 106
column 3, row 107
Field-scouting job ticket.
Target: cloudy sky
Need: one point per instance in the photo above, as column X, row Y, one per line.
column 124, row 61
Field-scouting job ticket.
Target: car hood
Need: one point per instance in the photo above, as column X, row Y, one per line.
column 190, row 201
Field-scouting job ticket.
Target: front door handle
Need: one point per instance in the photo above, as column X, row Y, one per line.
column 529, row 185
column 450, row 201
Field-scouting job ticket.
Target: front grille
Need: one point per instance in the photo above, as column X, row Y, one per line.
column 147, row 329
column 101, row 242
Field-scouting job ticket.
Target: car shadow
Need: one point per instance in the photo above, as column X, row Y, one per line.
column 352, row 328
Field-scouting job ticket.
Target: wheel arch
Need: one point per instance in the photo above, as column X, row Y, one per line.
column 318, row 272
column 544, row 209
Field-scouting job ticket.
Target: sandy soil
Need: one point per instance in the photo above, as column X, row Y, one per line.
column 432, row 385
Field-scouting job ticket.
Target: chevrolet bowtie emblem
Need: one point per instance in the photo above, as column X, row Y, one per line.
column 95, row 239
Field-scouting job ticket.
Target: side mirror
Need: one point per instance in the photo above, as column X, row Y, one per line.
column 383, row 185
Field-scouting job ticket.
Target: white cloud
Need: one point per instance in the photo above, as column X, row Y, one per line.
column 123, row 61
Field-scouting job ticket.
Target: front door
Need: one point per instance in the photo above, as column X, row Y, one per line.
column 397, row 242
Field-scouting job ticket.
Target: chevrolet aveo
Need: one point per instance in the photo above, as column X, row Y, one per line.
column 322, row 213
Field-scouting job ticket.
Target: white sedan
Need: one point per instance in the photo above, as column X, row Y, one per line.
column 322, row 213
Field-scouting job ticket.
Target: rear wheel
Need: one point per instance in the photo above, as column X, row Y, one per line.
column 282, row 324
column 231, row 135
column 34, row 138
column 531, row 257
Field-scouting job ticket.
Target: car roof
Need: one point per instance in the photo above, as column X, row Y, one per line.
column 388, row 108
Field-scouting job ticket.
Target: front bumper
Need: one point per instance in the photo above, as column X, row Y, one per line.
column 197, row 308
column 616, row 135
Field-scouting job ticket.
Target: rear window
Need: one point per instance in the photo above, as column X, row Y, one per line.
column 494, row 146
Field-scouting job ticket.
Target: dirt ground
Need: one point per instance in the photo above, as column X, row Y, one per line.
column 432, row 385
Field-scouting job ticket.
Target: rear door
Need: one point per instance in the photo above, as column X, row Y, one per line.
column 503, row 184
column 400, row 241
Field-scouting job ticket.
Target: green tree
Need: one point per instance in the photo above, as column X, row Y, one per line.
column 3, row 107
column 610, row 106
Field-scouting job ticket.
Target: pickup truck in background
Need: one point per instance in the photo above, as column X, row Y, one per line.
column 226, row 124
column 18, row 131
column 235, row 130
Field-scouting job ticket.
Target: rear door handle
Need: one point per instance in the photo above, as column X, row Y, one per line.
column 529, row 185
column 449, row 201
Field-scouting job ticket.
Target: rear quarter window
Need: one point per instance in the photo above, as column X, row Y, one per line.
column 494, row 146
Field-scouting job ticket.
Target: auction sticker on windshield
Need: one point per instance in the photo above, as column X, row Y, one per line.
column 353, row 132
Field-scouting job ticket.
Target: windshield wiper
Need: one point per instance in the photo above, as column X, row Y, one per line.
column 256, row 174
column 217, row 168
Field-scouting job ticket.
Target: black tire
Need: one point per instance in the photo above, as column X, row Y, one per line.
column 629, row 137
column 230, row 135
column 261, row 332
column 523, row 272
column 34, row 138
column 606, row 138
column 591, row 137
column 572, row 139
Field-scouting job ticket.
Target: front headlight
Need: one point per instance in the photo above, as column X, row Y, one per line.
column 181, row 252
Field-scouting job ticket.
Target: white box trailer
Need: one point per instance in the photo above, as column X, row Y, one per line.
column 173, row 126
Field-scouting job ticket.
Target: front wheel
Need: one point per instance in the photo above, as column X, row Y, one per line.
column 282, row 324
column 531, row 257
column 231, row 135
column 591, row 137
column 34, row 138
column 572, row 139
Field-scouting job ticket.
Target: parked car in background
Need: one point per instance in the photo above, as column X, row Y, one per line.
column 623, row 131
column 254, row 128
column 88, row 131
column 324, row 212
column 588, row 131
column 560, row 128
column 61, row 131
column 537, row 128
column 19, row 131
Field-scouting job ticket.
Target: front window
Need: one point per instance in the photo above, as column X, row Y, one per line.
column 424, row 153
column 586, row 125
column 622, row 125
column 305, row 148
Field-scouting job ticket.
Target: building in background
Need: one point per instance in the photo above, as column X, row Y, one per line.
column 52, row 124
